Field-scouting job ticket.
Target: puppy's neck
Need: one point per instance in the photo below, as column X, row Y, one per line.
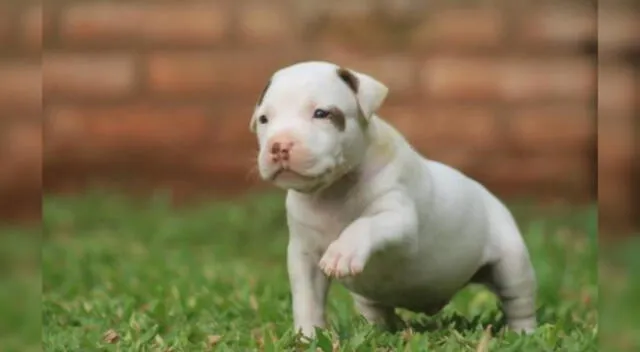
column 382, row 142
column 382, row 149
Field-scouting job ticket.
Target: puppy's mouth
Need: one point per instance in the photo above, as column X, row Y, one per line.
column 303, row 182
column 284, row 172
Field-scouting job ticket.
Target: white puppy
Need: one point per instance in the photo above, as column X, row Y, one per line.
column 365, row 208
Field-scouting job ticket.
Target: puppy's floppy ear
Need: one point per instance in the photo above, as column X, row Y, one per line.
column 369, row 92
column 253, row 122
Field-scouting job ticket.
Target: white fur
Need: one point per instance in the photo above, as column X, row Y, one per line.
column 394, row 228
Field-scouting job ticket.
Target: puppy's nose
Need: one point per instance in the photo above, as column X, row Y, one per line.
column 280, row 150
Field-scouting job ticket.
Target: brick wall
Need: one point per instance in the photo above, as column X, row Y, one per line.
column 20, row 109
column 146, row 94
column 618, row 108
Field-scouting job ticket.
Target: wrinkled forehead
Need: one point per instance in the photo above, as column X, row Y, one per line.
column 304, row 87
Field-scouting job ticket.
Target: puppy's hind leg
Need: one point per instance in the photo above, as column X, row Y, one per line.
column 380, row 315
column 513, row 280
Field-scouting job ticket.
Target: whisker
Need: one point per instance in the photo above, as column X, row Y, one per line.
column 253, row 171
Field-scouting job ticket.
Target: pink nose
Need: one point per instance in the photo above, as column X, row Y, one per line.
column 280, row 151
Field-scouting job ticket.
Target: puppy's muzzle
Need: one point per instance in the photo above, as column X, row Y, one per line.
column 286, row 157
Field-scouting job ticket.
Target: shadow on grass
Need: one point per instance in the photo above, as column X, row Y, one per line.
column 464, row 325
column 457, row 322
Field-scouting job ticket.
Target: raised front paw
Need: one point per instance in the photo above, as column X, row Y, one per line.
column 344, row 258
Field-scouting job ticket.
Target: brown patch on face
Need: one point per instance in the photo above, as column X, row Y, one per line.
column 264, row 91
column 349, row 78
column 338, row 119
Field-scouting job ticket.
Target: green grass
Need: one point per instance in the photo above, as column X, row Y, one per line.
column 20, row 290
column 214, row 277
column 619, row 265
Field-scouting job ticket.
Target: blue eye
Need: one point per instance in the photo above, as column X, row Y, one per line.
column 320, row 114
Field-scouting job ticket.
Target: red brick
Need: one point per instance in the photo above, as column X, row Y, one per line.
column 461, row 158
column 614, row 189
column 194, row 23
column 234, row 119
column 33, row 27
column 185, row 73
column 398, row 10
column 558, row 26
column 618, row 31
column 615, row 211
column 616, row 141
column 510, row 79
column 262, row 23
column 557, row 79
column 242, row 166
column 95, row 132
column 462, row 78
column 569, row 175
column 5, row 27
column 20, row 207
column 89, row 75
column 21, row 155
column 313, row 14
column 616, row 180
column 561, row 129
column 433, row 128
column 22, row 143
column 460, row 28
column 396, row 71
column 615, row 198
column 344, row 9
column 212, row 73
column 99, row 21
column 20, row 86
column 358, row 25
column 616, row 89
column 616, row 144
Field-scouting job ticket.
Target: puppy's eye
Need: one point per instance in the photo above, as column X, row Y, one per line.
column 320, row 114
column 263, row 119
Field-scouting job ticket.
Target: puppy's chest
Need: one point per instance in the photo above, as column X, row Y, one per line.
column 326, row 222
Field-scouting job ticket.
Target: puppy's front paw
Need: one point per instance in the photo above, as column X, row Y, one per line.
column 343, row 258
column 308, row 331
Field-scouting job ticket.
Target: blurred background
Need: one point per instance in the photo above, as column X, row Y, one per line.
column 143, row 96
column 140, row 96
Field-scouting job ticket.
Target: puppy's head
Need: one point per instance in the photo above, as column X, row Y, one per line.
column 311, row 122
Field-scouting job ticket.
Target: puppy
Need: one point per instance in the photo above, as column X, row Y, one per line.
column 366, row 209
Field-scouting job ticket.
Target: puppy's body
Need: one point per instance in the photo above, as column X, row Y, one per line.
column 462, row 228
column 399, row 230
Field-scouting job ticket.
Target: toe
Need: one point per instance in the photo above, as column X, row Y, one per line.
column 355, row 268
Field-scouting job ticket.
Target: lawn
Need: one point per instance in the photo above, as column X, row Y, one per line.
column 125, row 276
column 20, row 290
